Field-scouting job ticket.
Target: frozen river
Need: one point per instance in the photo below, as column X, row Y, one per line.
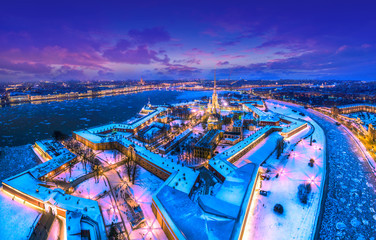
column 27, row 123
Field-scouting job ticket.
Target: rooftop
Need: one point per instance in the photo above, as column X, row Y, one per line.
column 207, row 141
column 220, row 161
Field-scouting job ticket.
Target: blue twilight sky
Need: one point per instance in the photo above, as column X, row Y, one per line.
column 63, row 40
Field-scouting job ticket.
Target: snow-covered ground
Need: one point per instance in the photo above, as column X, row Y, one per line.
column 77, row 171
column 298, row 220
column 16, row 218
column 142, row 191
column 56, row 227
column 90, row 189
column 198, row 129
column 100, row 192
column 109, row 210
column 109, row 157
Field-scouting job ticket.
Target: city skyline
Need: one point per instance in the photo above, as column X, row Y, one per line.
column 185, row 40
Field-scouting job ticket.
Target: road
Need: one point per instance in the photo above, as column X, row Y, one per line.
column 350, row 205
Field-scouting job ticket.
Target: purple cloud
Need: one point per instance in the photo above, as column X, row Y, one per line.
column 222, row 63
column 139, row 55
column 68, row 73
column 188, row 61
column 25, row 67
column 179, row 70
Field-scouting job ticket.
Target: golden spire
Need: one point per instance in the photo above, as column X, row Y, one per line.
column 215, row 85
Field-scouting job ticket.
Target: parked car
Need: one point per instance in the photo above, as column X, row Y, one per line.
column 265, row 176
column 264, row 193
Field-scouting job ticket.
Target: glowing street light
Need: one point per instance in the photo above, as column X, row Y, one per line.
column 312, row 180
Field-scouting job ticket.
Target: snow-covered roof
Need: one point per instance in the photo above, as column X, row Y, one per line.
column 221, row 165
column 235, row 185
column 292, row 126
column 237, row 123
column 48, row 166
column 146, row 118
column 263, row 116
column 51, row 147
column 248, row 116
column 212, row 217
column 187, row 220
column 90, row 134
column 221, row 161
column 183, row 104
column 269, row 118
column 207, row 141
column 256, row 110
column 253, row 102
column 176, row 139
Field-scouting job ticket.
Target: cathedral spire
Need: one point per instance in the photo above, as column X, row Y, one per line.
column 215, row 104
column 215, row 84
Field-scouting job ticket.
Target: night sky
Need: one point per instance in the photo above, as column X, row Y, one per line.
column 93, row 40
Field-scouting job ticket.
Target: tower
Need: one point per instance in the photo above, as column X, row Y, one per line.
column 213, row 107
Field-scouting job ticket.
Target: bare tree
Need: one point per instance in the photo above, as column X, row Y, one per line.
column 280, row 147
column 115, row 154
column 131, row 168
column 70, row 169
column 88, row 156
column 113, row 235
column 96, row 168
